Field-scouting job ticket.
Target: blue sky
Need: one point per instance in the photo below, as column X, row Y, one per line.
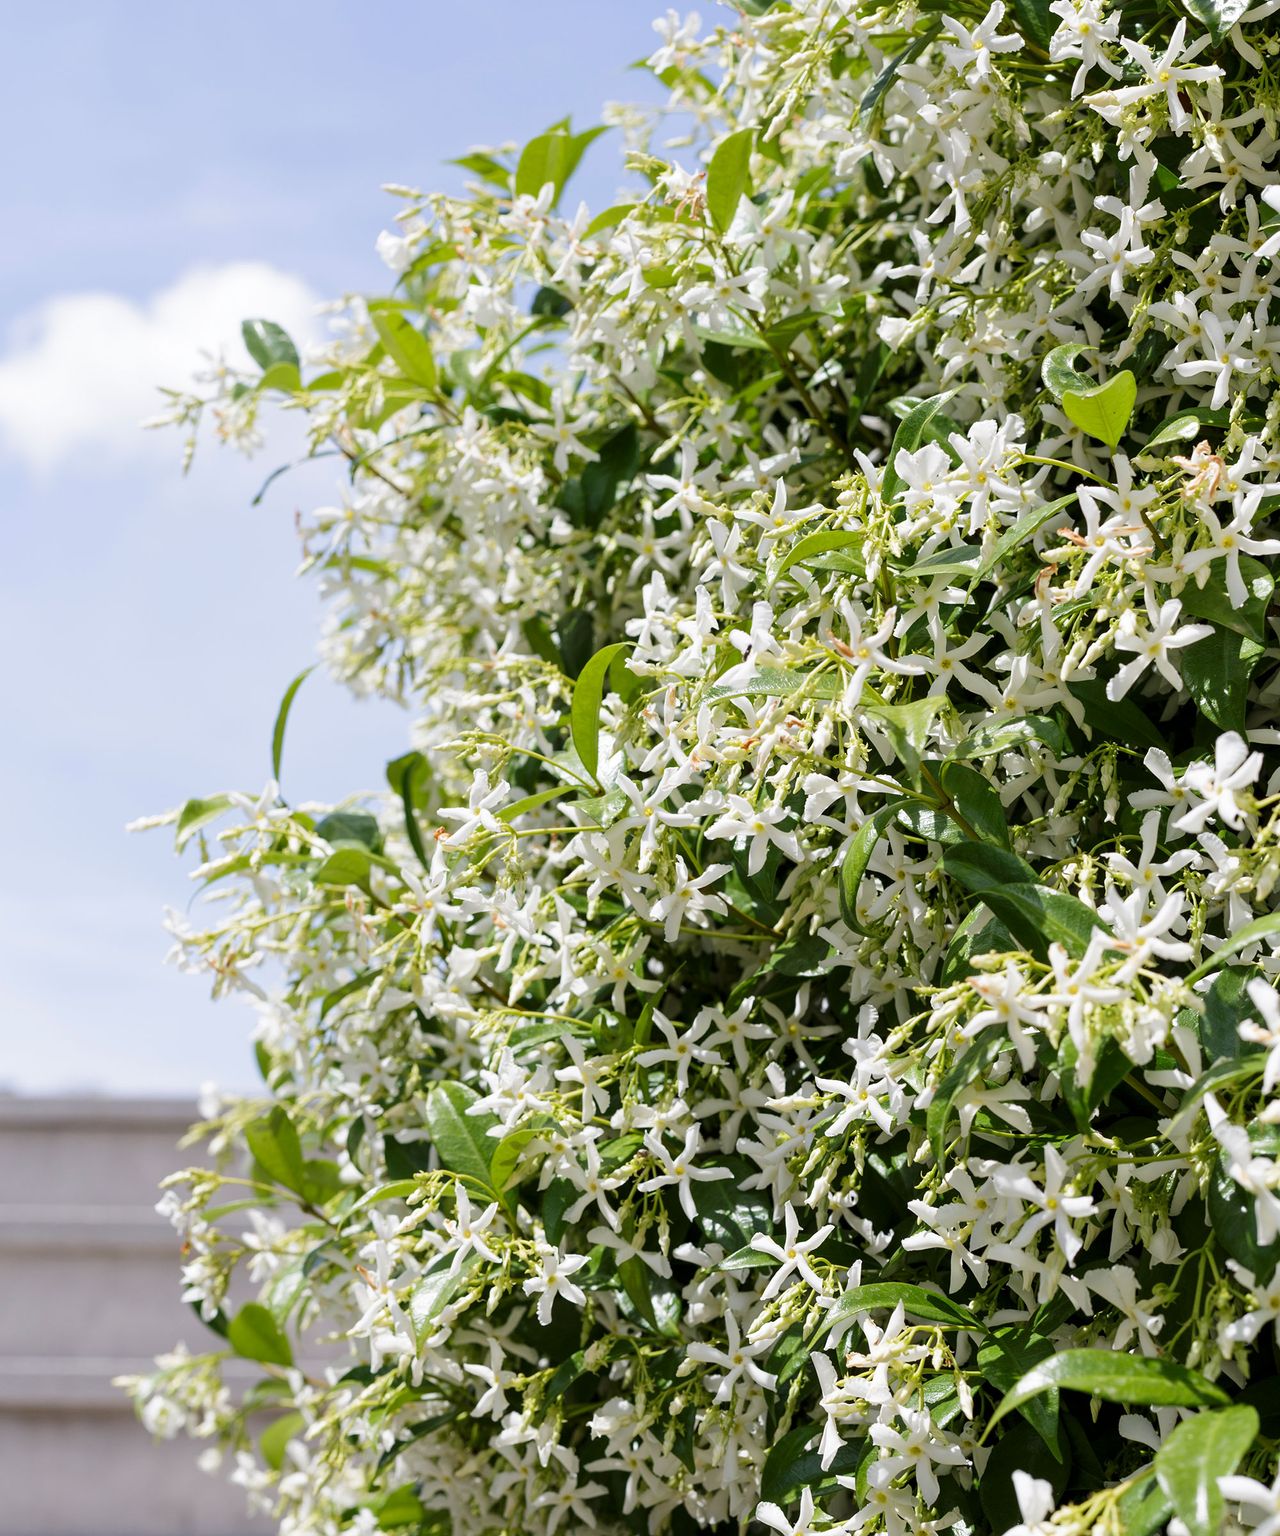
column 173, row 165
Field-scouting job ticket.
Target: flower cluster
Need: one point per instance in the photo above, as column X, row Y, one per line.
column 797, row 1041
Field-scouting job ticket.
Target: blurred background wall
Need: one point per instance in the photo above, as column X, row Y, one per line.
column 88, row 1280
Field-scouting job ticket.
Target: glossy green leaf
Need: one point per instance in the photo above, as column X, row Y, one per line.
column 461, row 1139
column 1115, row 1378
column 1242, row 938
column 1058, row 370
column 584, row 711
column 1195, row 1455
column 1216, row 672
column 884, row 1295
column 975, row 802
column 1027, row 526
column 1183, row 426
column 274, row 1144
column 282, row 720
column 729, row 177
column 907, row 727
column 1212, row 602
column 778, row 683
column 282, row 376
column 406, row 346
column 1217, row 16
column 789, row 1466
column 1036, row 22
column 255, row 1335
column 990, row 1044
column 275, row 1438
column 1116, row 719
column 872, row 102
column 347, row 866
column 857, row 856
column 1232, row 1208
column 1144, row 1508
column 407, row 775
column 268, row 343
column 1004, row 1359
column 917, row 427
column 1104, row 411
column 819, row 543
column 1035, row 915
column 351, row 827
column 198, row 813
column 1000, row 736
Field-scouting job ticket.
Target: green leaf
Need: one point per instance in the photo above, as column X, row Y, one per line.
column 917, row 427
column 1232, row 1210
column 1182, row 426
column 437, row 1288
column 907, row 727
column 461, row 1140
column 282, row 720
column 551, row 157
column 857, row 856
column 198, row 813
column 777, row 683
column 268, row 343
column 255, row 1335
column 1004, row 1360
column 584, row 711
column 1034, row 914
column 1027, row 526
column 976, row 801
column 1216, row 672
column 1144, row 1508
column 817, row 544
column 282, row 376
column 1195, row 1455
column 1058, row 371
column 1035, row 21
column 789, row 1467
column 873, row 98
column 1104, row 411
column 1226, row 1006
column 884, row 1295
column 1118, row 719
column 953, row 561
column 990, row 1044
column 609, row 218
column 1083, row 1098
column 729, row 177
column 1019, row 1449
column 1217, row 16
column 1000, row 736
column 407, row 775
column 1212, row 601
column 1115, row 1378
column 748, row 1258
column 274, row 1144
column 406, row 346
column 351, row 827
column 346, row 866
column 275, row 1438
column 1259, row 928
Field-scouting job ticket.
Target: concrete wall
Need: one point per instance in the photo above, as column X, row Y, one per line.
column 89, row 1290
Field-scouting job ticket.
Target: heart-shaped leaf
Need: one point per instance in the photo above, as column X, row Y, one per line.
column 1103, row 412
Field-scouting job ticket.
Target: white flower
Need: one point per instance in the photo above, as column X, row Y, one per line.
column 554, row 1280
column 792, row 1253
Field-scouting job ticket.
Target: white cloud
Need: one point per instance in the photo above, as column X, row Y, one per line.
column 82, row 370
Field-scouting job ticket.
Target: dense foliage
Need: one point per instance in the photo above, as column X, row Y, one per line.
column 796, row 1043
